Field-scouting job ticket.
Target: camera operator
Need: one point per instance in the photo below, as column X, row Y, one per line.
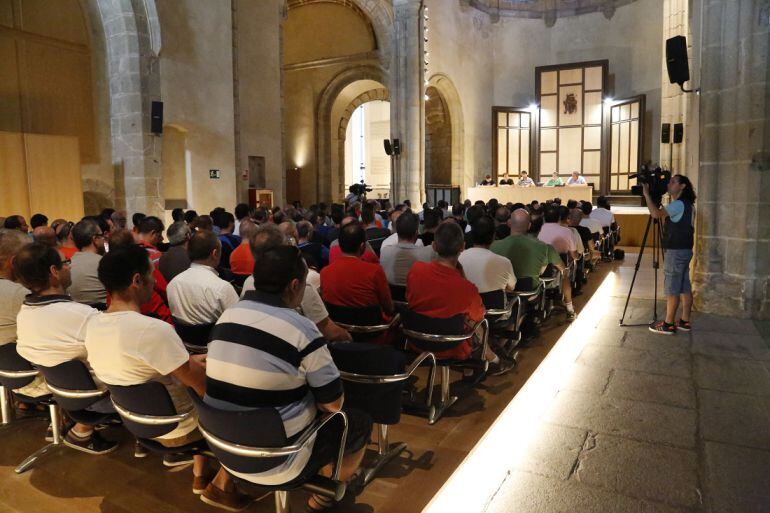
column 677, row 219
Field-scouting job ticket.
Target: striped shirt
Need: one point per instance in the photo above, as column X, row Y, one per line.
column 265, row 355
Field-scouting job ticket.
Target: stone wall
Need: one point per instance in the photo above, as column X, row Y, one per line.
column 438, row 139
column 732, row 273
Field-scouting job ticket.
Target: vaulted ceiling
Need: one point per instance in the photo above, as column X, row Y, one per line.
column 548, row 10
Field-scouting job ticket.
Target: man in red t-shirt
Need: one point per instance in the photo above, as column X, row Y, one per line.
column 440, row 290
column 241, row 259
column 351, row 281
column 150, row 234
column 335, row 251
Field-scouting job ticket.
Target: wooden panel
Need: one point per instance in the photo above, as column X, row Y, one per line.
column 624, row 153
column 527, row 194
column 13, row 177
column 502, row 119
column 502, row 151
column 10, row 108
column 593, row 108
column 513, row 151
column 548, row 106
column 547, row 164
column 548, row 140
column 625, row 112
column 60, row 106
column 53, row 170
column 514, row 119
column 615, row 144
column 633, row 147
column 593, row 78
column 569, row 149
column 591, row 161
column 635, row 110
column 69, row 25
column 592, row 138
column 525, row 140
column 576, row 117
column 6, row 14
column 571, row 76
column 616, row 114
column 548, row 82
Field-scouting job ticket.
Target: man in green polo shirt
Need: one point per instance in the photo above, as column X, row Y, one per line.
column 530, row 256
column 555, row 181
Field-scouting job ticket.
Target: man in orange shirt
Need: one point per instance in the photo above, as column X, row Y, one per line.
column 149, row 235
column 439, row 289
column 241, row 259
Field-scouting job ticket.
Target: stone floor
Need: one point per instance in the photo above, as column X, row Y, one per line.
column 649, row 423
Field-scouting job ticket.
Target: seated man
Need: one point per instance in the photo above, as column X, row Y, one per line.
column 278, row 359
column 557, row 235
column 525, row 180
column 487, row 270
column 427, row 290
column 529, row 257
column 592, row 224
column 576, row 179
column 86, row 287
column 127, row 348
column 575, row 216
column 241, row 259
column 52, row 329
column 225, row 221
column 315, row 253
column 312, row 306
column 149, row 234
column 554, row 181
column 335, row 251
column 198, row 295
column 431, row 219
column 602, row 213
column 45, row 235
column 392, row 239
column 349, row 281
column 487, row 180
column 176, row 259
column 397, row 260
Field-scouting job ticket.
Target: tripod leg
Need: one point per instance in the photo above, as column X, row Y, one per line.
column 636, row 267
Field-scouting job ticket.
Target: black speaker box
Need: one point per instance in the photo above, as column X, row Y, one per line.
column 156, row 118
column 388, row 147
column 678, row 133
column 676, row 60
column 665, row 133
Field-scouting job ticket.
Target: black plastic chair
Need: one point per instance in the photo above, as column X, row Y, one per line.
column 502, row 313
column 363, row 323
column 194, row 337
column 436, row 335
column 374, row 377
column 241, row 448
column 148, row 412
column 15, row 373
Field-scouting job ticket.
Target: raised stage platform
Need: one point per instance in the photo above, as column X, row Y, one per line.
column 506, row 193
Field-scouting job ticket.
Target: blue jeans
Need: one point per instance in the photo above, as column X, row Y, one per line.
column 676, row 270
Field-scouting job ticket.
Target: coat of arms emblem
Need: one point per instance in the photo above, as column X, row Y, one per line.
column 570, row 104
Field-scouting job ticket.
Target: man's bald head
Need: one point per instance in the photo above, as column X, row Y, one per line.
column 394, row 216
column 288, row 230
column 519, row 222
column 575, row 216
column 45, row 235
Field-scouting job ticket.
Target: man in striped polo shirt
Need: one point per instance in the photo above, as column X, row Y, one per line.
column 263, row 354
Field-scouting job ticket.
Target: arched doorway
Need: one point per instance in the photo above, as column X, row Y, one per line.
column 364, row 154
column 438, row 139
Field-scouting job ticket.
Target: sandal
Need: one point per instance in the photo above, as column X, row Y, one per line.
column 318, row 503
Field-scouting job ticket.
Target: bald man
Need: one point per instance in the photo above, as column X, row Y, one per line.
column 45, row 235
column 529, row 257
column 393, row 239
column 335, row 252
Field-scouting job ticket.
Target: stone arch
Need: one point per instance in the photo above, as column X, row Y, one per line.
column 131, row 39
column 324, row 127
column 443, row 84
column 380, row 14
column 379, row 94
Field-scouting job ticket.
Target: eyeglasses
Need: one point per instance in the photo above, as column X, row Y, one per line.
column 66, row 262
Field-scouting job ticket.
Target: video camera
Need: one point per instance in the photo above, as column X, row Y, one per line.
column 360, row 189
column 657, row 179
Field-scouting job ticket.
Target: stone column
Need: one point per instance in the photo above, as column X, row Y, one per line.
column 733, row 233
column 407, row 108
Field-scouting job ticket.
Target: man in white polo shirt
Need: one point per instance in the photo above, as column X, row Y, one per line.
column 198, row 295
column 488, row 271
column 602, row 212
column 51, row 327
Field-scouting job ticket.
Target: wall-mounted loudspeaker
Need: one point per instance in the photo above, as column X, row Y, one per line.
column 676, row 60
column 156, row 118
column 396, row 147
column 678, row 133
column 665, row 133
column 388, row 147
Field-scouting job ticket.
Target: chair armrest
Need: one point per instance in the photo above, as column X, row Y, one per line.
column 11, row 374
column 76, row 394
column 150, row 420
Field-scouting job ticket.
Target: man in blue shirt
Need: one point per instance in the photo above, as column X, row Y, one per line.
column 677, row 219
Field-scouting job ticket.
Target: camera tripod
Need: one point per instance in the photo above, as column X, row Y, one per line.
column 657, row 257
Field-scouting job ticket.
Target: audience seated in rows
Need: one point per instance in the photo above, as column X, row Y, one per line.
column 241, row 259
column 315, row 253
column 397, row 260
column 149, row 235
column 198, row 296
column 335, row 251
column 486, row 270
column 176, row 259
column 86, row 287
column 592, row 224
column 602, row 212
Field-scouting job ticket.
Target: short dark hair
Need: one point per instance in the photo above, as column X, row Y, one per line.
column 177, row 214
column 458, row 209
column 32, row 263
column 118, row 267
column 502, row 214
column 304, row 229
column 190, row 216
column 431, row 218
column 12, row 222
column 201, row 245
column 563, row 212
column 277, row 267
column 475, row 212
column 407, row 225
column 367, row 214
column 352, row 235
column 483, row 230
column 551, row 215
column 572, row 204
column 241, row 210
column 38, row 220
column 223, row 219
column 137, row 218
column 586, row 207
column 449, row 240
column 151, row 224
column 603, row 202
column 279, row 217
column 204, row 222
column 83, row 232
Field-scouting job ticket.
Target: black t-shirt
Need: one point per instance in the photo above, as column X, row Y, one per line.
column 426, row 238
column 585, row 235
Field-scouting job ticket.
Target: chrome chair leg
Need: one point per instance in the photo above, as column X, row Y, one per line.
column 282, row 502
column 385, row 453
column 446, row 400
column 27, row 464
column 5, row 406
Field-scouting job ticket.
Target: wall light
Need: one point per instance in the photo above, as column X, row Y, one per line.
column 532, row 107
column 609, row 101
column 484, row 470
